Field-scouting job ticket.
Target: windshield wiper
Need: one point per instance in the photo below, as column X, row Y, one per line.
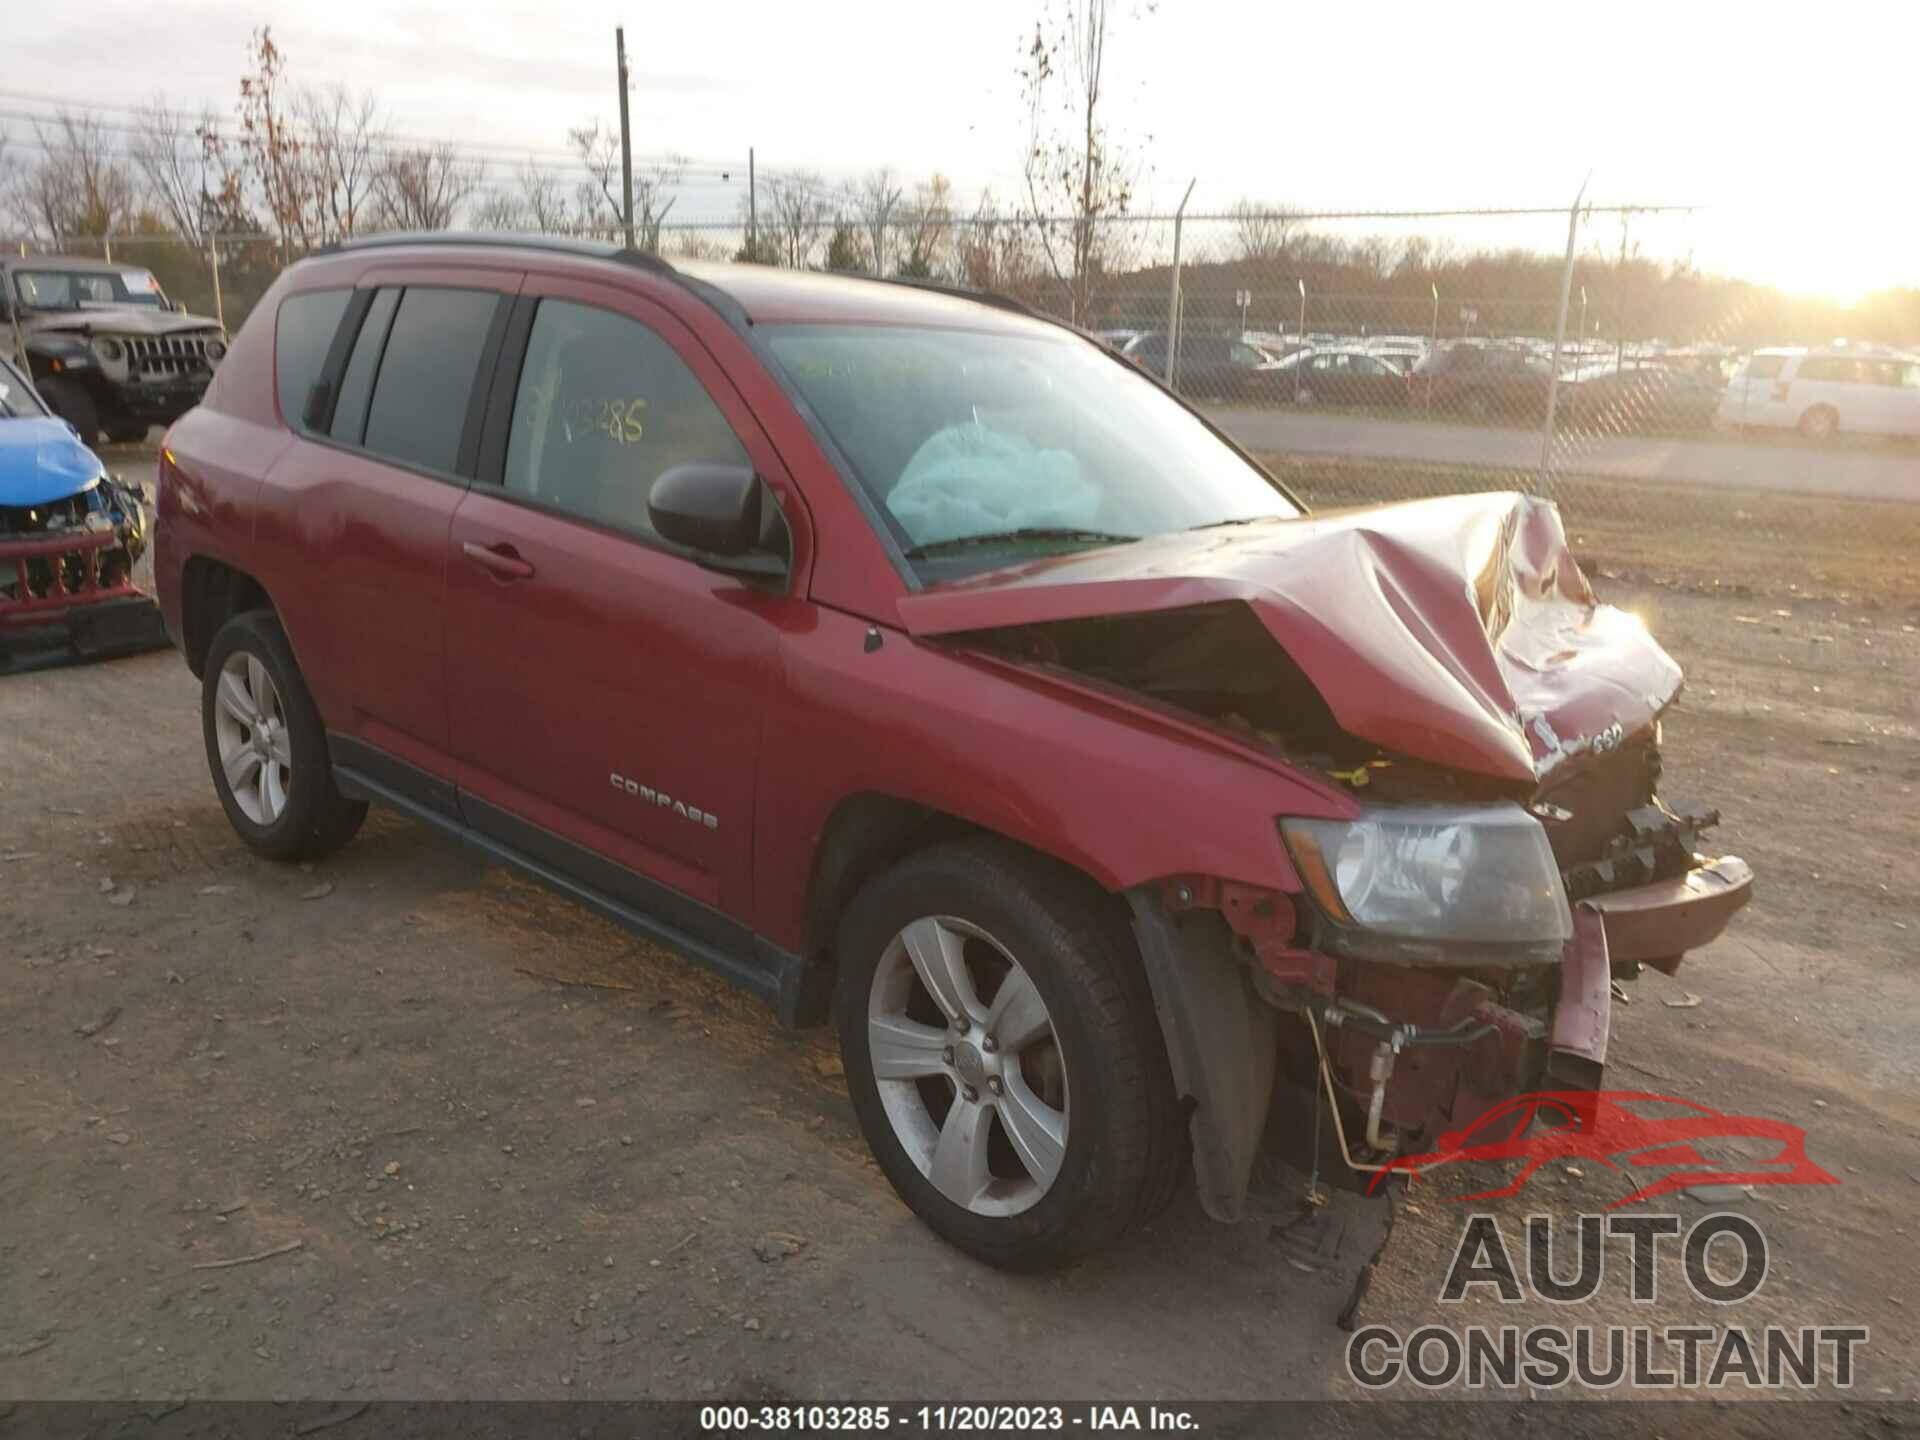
column 1239, row 520
column 1010, row 537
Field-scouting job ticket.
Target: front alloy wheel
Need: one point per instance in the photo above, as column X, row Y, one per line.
column 1003, row 1053
column 973, row 1085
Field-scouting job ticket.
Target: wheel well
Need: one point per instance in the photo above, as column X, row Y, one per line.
column 868, row 833
column 212, row 593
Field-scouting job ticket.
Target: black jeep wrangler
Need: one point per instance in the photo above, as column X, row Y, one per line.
column 103, row 345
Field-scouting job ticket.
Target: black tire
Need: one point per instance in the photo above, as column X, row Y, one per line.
column 1822, row 422
column 317, row 819
column 1126, row 1141
column 74, row 405
column 128, row 432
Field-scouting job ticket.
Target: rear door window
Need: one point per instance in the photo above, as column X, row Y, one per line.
column 426, row 374
column 303, row 333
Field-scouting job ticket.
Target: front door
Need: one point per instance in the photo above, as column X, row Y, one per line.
column 608, row 694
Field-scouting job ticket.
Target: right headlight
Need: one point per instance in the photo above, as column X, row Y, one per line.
column 1435, row 884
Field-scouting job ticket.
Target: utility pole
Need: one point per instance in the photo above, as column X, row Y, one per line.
column 753, row 211
column 626, row 135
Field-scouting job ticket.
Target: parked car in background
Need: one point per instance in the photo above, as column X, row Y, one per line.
column 70, row 535
column 1337, row 377
column 1641, row 397
column 1404, row 351
column 1822, row 392
column 1212, row 367
column 107, row 350
column 1482, row 380
column 916, row 662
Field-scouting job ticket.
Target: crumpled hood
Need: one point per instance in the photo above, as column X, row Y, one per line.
column 117, row 320
column 42, row 461
column 1456, row 630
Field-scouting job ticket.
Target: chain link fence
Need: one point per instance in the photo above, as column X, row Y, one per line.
column 1673, row 415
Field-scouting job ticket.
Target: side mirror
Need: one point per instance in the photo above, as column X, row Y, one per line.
column 714, row 509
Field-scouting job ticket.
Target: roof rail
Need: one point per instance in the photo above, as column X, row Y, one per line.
column 960, row 292
column 555, row 244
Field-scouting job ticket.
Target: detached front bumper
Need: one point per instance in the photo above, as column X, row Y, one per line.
column 1657, row 924
column 1457, row 1047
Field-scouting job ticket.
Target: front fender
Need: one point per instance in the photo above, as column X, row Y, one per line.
column 1221, row 1041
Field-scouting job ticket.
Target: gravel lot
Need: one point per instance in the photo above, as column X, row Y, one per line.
column 486, row 1145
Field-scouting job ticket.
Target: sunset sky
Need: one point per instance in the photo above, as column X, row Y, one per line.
column 1796, row 137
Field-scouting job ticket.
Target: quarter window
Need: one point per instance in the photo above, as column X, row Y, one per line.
column 426, row 376
column 604, row 408
column 302, row 334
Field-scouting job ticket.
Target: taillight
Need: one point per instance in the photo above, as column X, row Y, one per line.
column 1780, row 390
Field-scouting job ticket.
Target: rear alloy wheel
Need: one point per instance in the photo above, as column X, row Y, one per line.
column 1003, row 1054
column 1820, row 423
column 266, row 746
column 250, row 728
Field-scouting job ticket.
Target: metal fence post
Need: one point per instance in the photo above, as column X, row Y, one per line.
column 1560, row 329
column 213, row 264
column 1173, row 296
column 1301, row 353
column 1433, row 349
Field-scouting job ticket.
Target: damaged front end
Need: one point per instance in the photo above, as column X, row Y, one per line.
column 70, row 537
column 1452, row 940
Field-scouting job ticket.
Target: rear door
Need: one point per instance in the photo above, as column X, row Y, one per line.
column 608, row 693
column 358, row 511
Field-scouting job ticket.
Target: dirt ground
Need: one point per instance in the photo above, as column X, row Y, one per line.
column 469, row 1141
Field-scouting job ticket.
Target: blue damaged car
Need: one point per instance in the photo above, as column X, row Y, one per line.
column 70, row 536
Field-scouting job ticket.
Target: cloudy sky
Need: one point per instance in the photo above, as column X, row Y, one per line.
column 1799, row 136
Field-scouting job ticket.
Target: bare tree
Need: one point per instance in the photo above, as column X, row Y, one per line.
column 81, row 186
column 654, row 186
column 798, row 207
column 996, row 251
column 1262, row 231
column 499, row 209
column 877, row 203
column 423, row 187
column 541, row 197
column 187, row 170
column 926, row 224
column 344, row 138
column 1078, row 178
column 274, row 155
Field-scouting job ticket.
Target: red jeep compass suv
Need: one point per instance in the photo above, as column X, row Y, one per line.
column 914, row 661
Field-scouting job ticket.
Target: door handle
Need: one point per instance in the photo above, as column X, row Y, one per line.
column 501, row 561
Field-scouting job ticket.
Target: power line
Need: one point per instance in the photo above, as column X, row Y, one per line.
column 380, row 142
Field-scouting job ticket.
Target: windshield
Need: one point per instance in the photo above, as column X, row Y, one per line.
column 74, row 289
column 17, row 402
column 981, row 449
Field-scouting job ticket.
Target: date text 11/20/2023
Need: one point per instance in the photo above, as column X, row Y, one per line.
column 931, row 1419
